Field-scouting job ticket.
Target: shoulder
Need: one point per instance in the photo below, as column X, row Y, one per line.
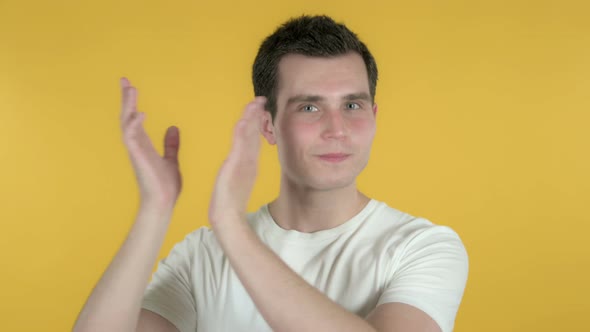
column 405, row 232
column 405, row 222
column 427, row 268
column 425, row 247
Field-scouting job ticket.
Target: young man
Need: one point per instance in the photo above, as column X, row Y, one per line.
column 322, row 256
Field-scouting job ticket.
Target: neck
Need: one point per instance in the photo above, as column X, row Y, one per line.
column 308, row 210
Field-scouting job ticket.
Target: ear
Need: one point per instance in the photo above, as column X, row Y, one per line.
column 375, row 110
column 267, row 128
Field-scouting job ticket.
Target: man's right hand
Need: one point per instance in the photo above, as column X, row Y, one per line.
column 159, row 178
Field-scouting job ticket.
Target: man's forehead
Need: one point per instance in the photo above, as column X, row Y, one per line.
column 302, row 75
column 302, row 60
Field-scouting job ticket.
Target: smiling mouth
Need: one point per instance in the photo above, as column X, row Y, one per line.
column 334, row 157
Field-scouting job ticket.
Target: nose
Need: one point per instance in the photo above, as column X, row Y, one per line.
column 335, row 125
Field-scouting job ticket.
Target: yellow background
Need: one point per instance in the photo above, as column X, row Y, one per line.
column 483, row 126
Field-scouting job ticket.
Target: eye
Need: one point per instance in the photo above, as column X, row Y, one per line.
column 309, row 108
column 352, row 106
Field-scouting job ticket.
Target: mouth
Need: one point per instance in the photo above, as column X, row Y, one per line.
column 334, row 157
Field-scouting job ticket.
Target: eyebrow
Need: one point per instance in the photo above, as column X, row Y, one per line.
column 358, row 96
column 304, row 98
column 315, row 98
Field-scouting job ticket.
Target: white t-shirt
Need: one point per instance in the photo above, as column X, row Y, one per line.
column 380, row 255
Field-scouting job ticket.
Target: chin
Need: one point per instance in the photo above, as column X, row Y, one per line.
column 323, row 179
column 332, row 183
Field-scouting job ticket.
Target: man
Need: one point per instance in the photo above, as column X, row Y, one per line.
column 322, row 256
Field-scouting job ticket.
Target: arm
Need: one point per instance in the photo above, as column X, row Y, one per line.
column 115, row 302
column 401, row 317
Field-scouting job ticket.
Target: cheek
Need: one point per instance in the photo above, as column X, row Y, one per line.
column 364, row 129
column 297, row 138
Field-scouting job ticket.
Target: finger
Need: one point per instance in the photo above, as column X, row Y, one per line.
column 249, row 120
column 246, row 140
column 251, row 115
column 134, row 127
column 129, row 100
column 171, row 144
column 130, row 104
column 255, row 108
column 257, row 113
column 124, row 82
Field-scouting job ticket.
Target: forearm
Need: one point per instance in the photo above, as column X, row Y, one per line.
column 115, row 301
column 285, row 300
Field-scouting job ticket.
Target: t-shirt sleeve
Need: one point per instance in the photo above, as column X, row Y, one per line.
column 170, row 292
column 429, row 271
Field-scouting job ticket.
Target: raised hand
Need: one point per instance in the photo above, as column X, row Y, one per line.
column 159, row 177
column 236, row 177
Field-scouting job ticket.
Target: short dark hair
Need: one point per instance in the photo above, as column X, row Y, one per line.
column 307, row 35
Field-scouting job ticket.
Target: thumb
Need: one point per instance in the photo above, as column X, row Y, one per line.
column 171, row 144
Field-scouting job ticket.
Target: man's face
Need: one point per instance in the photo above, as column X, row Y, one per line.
column 325, row 121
